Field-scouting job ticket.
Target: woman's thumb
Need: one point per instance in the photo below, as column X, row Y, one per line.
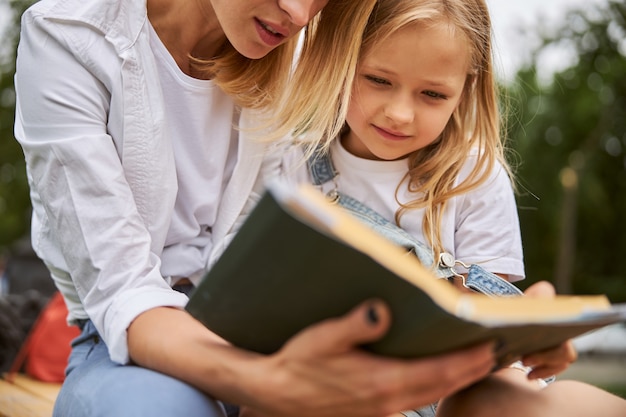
column 365, row 323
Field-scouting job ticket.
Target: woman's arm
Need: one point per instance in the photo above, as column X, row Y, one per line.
column 87, row 226
column 320, row 372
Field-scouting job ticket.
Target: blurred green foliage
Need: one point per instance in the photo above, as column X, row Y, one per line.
column 570, row 134
column 14, row 200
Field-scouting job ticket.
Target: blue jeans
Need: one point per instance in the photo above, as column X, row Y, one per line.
column 97, row 387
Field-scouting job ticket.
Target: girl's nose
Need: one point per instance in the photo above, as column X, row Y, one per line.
column 400, row 109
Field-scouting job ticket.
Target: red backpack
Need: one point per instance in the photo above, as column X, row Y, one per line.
column 45, row 352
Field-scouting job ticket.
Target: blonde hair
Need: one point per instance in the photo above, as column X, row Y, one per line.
column 476, row 122
column 329, row 63
column 252, row 83
column 329, row 51
column 317, row 98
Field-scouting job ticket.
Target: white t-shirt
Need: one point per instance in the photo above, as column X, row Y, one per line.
column 200, row 118
column 480, row 227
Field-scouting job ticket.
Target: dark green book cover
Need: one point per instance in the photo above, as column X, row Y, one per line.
column 279, row 275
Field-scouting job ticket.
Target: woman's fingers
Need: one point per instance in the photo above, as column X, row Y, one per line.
column 367, row 322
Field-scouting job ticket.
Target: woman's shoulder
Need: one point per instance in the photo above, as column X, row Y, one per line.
column 118, row 18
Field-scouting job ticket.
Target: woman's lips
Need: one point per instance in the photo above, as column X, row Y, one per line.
column 269, row 34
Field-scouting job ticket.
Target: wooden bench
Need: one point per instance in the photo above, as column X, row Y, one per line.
column 24, row 396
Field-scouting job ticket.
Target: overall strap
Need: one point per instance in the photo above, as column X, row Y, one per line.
column 321, row 167
column 323, row 173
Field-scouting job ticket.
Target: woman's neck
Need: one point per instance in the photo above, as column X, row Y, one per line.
column 186, row 28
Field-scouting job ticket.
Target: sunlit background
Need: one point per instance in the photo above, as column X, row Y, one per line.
column 515, row 26
column 514, row 30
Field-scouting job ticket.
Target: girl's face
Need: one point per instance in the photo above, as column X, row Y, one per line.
column 255, row 27
column 406, row 89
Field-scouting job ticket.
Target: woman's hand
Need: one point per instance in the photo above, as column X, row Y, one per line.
column 322, row 372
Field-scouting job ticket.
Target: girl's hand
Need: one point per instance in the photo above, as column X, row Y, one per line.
column 552, row 361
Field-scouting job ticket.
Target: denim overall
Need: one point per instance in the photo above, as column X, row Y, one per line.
column 478, row 279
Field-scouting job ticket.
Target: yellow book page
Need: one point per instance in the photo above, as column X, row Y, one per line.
column 487, row 310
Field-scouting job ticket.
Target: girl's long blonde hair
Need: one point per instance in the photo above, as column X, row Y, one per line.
column 475, row 124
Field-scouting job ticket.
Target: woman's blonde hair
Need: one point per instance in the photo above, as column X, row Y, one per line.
column 252, row 83
column 475, row 124
column 316, row 101
column 331, row 50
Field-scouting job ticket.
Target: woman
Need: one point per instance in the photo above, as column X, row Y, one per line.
column 135, row 120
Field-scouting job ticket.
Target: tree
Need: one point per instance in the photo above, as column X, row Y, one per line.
column 14, row 199
column 570, row 134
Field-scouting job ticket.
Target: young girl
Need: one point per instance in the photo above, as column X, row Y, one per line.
column 421, row 146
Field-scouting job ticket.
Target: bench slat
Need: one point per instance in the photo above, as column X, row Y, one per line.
column 27, row 397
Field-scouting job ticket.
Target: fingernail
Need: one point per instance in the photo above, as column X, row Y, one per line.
column 372, row 315
column 499, row 347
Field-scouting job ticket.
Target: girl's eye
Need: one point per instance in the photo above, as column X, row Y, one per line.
column 377, row 80
column 433, row 94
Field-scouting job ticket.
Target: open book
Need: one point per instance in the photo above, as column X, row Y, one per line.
column 298, row 260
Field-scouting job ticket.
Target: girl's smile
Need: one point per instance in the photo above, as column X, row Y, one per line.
column 390, row 134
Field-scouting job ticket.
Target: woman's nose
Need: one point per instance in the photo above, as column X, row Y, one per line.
column 300, row 11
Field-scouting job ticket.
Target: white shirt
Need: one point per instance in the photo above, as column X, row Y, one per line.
column 200, row 122
column 480, row 227
column 103, row 158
